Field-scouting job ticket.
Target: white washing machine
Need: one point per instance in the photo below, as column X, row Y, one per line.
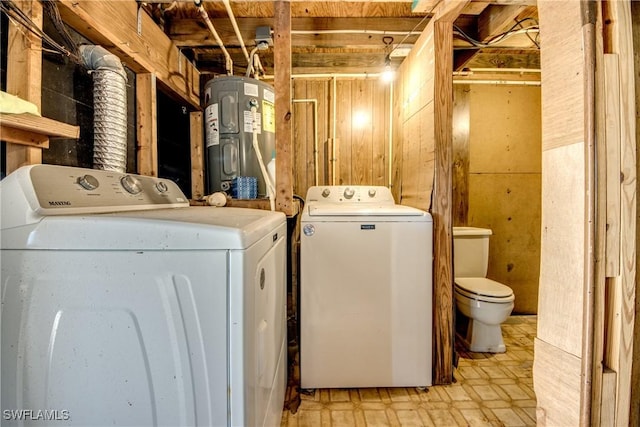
column 123, row 306
column 365, row 290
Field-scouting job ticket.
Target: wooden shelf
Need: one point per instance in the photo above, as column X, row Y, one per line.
column 28, row 129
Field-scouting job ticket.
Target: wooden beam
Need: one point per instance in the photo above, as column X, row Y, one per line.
column 197, row 155
column 24, row 78
column 147, row 120
column 282, row 68
column 442, row 203
column 442, row 9
column 460, row 154
column 496, row 20
column 193, row 32
column 39, row 125
column 114, row 25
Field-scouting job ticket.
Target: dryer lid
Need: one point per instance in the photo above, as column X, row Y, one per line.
column 483, row 286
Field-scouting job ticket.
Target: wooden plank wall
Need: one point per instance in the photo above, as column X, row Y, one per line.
column 362, row 148
column 635, row 377
column 562, row 282
column 621, row 139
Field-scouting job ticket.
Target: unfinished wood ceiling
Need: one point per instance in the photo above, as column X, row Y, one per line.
column 353, row 36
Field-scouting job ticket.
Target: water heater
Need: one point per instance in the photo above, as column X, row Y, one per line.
column 229, row 124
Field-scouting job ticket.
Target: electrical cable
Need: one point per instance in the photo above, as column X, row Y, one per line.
column 18, row 17
column 499, row 37
column 51, row 8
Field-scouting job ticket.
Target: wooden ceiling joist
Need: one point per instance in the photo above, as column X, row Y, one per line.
column 114, row 25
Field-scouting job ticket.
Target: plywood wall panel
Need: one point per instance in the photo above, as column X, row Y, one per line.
column 505, row 129
column 300, row 138
column 561, row 59
column 560, row 308
column 509, row 204
column 557, row 385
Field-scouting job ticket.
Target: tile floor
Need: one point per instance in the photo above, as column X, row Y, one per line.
column 490, row 390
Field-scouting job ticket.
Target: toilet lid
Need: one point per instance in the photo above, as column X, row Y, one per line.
column 483, row 287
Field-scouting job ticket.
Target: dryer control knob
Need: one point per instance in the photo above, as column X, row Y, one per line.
column 326, row 192
column 162, row 187
column 372, row 192
column 88, row 182
column 349, row 192
column 130, row 184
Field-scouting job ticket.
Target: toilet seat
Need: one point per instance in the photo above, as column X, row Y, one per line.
column 483, row 289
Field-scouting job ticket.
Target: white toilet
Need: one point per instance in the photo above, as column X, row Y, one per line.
column 484, row 303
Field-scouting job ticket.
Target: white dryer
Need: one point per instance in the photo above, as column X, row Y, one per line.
column 123, row 306
column 365, row 290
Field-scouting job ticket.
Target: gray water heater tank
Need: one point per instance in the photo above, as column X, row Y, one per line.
column 229, row 130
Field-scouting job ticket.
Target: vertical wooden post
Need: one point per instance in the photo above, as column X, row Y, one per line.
column 282, row 80
column 24, row 78
column 442, row 204
column 460, row 203
column 147, row 132
column 197, row 156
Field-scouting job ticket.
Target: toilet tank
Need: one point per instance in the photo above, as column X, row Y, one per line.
column 470, row 251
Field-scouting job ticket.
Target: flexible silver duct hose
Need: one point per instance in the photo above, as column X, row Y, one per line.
column 109, row 108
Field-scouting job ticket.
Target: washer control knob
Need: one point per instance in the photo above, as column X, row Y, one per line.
column 372, row 192
column 349, row 192
column 326, row 192
column 88, row 182
column 130, row 184
column 162, row 187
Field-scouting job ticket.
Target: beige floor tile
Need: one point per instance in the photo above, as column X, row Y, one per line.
column 475, row 418
column 409, row 418
column 457, row 392
column 442, row 417
column 342, row 419
column 515, row 391
column 376, row 418
column 509, row 417
column 490, row 390
column 369, row 395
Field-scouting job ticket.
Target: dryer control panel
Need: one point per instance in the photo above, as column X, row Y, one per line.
column 350, row 194
column 61, row 190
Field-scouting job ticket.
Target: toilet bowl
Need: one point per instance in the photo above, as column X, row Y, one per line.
column 487, row 304
column 484, row 303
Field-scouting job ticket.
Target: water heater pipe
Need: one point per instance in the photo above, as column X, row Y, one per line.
column 234, row 24
column 228, row 62
column 335, row 122
column 315, row 133
column 271, row 191
column 109, row 107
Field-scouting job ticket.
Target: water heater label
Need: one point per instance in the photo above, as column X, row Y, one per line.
column 367, row 227
column 269, row 96
column 211, row 123
column 248, row 122
column 268, row 116
column 251, row 89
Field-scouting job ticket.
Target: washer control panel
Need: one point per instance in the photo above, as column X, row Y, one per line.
column 350, row 194
column 57, row 190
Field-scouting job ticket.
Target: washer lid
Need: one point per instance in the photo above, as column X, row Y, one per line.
column 361, row 209
column 483, row 287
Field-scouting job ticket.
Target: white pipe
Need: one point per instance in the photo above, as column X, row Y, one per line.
column 228, row 61
column 315, row 133
column 328, row 75
column 271, row 191
column 335, row 122
column 390, row 161
column 359, row 31
column 504, row 70
column 234, row 24
column 496, row 82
